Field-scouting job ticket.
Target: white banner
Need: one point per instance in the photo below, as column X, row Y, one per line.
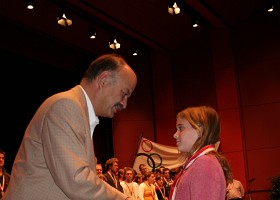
column 155, row 155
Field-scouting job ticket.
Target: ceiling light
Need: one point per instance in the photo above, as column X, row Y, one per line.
column 30, row 4
column 114, row 44
column 135, row 53
column 173, row 9
column 195, row 23
column 270, row 9
column 64, row 18
column 92, row 32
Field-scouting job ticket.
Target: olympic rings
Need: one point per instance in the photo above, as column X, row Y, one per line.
column 148, row 143
column 148, row 157
column 153, row 159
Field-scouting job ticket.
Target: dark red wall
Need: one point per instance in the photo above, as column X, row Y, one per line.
column 238, row 73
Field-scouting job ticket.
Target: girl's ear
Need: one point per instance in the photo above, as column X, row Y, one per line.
column 199, row 131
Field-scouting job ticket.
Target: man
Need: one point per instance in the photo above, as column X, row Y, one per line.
column 4, row 176
column 130, row 188
column 111, row 177
column 99, row 171
column 167, row 180
column 143, row 169
column 55, row 158
column 235, row 190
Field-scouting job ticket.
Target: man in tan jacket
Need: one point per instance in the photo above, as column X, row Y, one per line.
column 54, row 161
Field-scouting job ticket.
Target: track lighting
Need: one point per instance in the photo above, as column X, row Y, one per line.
column 173, row 8
column 64, row 18
column 30, row 4
column 114, row 44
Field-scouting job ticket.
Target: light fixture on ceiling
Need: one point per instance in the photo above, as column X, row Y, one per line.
column 135, row 52
column 270, row 9
column 92, row 32
column 114, row 44
column 64, row 18
column 30, row 4
column 195, row 23
column 135, row 49
column 272, row 5
column 173, row 8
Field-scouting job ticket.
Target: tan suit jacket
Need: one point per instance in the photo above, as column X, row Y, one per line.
column 56, row 159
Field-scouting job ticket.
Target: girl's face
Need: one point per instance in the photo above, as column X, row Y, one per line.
column 160, row 182
column 151, row 179
column 185, row 135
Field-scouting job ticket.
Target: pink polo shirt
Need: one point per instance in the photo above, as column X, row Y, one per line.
column 203, row 180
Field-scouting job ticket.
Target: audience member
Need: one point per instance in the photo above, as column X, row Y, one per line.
column 146, row 190
column 157, row 172
column 175, row 171
column 120, row 174
column 56, row 156
column 99, row 171
column 4, row 176
column 206, row 172
column 143, row 169
column 160, row 189
column 235, row 190
column 167, row 180
column 138, row 178
column 161, row 168
column 130, row 188
column 111, row 177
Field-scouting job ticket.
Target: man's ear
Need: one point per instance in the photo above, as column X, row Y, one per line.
column 102, row 78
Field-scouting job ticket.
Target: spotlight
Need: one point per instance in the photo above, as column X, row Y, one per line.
column 30, row 4
column 135, row 53
column 173, row 9
column 64, row 18
column 270, row 9
column 194, row 22
column 92, row 32
column 114, row 44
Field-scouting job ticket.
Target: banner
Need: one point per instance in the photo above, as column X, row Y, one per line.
column 155, row 155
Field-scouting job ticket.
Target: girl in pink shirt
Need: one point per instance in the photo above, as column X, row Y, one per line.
column 206, row 172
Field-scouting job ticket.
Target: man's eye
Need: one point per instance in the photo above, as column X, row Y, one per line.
column 124, row 94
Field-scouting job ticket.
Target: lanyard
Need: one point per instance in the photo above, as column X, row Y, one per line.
column 3, row 183
column 114, row 179
column 130, row 190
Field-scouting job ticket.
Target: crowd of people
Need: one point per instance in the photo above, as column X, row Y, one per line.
column 56, row 158
column 145, row 185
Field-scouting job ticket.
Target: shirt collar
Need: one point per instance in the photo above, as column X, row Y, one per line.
column 93, row 119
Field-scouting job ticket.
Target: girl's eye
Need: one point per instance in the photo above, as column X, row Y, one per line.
column 180, row 128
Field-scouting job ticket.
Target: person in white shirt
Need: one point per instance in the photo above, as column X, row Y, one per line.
column 130, row 188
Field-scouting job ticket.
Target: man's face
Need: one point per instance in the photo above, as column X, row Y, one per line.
column 129, row 176
column 2, row 160
column 143, row 169
column 98, row 169
column 115, row 168
column 166, row 174
column 115, row 93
